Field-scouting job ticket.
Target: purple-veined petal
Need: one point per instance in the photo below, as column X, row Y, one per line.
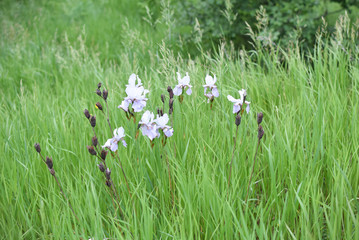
column 236, row 108
column 177, row 91
column 247, row 108
column 114, row 146
column 189, row 91
column 215, row 92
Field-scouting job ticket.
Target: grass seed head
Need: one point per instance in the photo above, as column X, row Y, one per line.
column 170, row 91
column 163, row 98
column 99, row 85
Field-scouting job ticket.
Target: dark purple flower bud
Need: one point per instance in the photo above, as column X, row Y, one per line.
column 104, row 154
column 259, row 118
column 49, row 163
column 170, row 91
column 260, row 132
column 91, row 150
column 163, row 98
column 52, row 171
column 104, row 94
column 101, row 167
column 161, row 112
column 158, row 111
column 108, row 183
column 93, row 121
column 170, row 103
column 99, row 106
column 99, row 85
column 98, row 92
column 238, row 120
column 87, row 114
column 108, row 174
column 37, row 147
column 94, row 141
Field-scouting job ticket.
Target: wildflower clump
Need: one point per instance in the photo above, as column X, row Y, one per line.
column 211, row 87
column 136, row 96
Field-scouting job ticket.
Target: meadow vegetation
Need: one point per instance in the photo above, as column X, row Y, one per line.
column 306, row 177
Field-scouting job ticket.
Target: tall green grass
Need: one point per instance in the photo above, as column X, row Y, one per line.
column 305, row 183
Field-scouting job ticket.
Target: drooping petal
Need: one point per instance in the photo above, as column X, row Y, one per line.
column 168, row 132
column 247, row 108
column 236, row 108
column 177, row 90
column 189, row 91
column 124, row 105
column 232, row 99
column 107, row 144
column 138, row 105
column 215, row 92
column 114, row 146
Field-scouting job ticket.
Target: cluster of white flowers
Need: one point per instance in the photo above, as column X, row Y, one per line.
column 152, row 127
column 136, row 95
column 112, row 143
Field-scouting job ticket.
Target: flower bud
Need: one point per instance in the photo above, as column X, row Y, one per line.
column 163, row 98
column 108, row 183
column 158, row 111
column 259, row 118
column 99, row 85
column 52, row 171
column 101, row 167
column 87, row 114
column 99, row 106
column 260, row 132
column 37, row 147
column 98, row 92
column 93, row 121
column 170, row 103
column 238, row 120
column 161, row 112
column 170, row 91
column 91, row 150
column 104, row 94
column 49, row 163
column 104, row 154
column 94, row 141
column 108, row 174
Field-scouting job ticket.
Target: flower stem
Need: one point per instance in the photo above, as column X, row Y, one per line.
column 230, row 167
column 254, row 162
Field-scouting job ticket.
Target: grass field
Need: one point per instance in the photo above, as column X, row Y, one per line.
column 305, row 181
